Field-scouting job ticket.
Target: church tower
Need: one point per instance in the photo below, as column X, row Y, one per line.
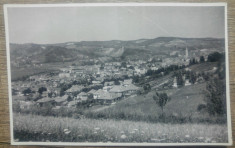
column 186, row 52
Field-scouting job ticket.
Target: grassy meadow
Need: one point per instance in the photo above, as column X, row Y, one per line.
column 182, row 108
column 52, row 129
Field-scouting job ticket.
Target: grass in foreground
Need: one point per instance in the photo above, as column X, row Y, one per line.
column 51, row 129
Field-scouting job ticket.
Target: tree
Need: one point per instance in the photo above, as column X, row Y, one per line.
column 116, row 82
column 214, row 57
column 216, row 97
column 27, row 91
column 161, row 99
column 180, row 81
column 42, row 89
column 131, row 67
column 136, row 79
column 147, row 88
column 202, row 59
column 123, row 64
column 193, row 77
column 101, row 67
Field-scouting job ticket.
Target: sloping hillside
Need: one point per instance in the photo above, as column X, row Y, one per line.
column 55, row 54
column 114, row 48
column 183, row 104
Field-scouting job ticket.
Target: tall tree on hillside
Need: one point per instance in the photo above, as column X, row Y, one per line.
column 147, row 88
column 193, row 77
column 214, row 57
column 116, row 82
column 161, row 99
column 123, row 64
column 216, row 97
column 180, row 81
column 27, row 91
column 42, row 89
column 202, row 59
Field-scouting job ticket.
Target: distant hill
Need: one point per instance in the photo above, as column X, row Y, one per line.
column 55, row 54
column 114, row 48
column 41, row 53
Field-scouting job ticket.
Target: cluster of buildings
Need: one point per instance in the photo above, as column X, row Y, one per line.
column 95, row 82
column 97, row 90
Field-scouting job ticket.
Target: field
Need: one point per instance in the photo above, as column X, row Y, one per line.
column 52, row 129
column 19, row 73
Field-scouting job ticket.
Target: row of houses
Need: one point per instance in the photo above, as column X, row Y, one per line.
column 108, row 94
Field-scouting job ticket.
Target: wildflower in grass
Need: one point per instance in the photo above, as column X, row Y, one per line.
column 200, row 138
column 123, row 136
column 187, row 136
column 97, row 128
column 213, row 141
column 155, row 140
column 67, row 131
column 207, row 139
column 95, row 132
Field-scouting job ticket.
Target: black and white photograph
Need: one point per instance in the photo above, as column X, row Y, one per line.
column 118, row 74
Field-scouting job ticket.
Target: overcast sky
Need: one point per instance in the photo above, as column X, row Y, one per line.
column 65, row 24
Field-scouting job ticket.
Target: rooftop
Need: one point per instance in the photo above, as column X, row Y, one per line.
column 75, row 88
column 61, row 99
column 92, row 91
column 46, row 99
column 82, row 94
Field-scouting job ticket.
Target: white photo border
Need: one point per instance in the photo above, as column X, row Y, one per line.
column 229, row 126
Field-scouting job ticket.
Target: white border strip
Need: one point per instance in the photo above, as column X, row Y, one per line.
column 8, row 72
column 115, row 4
column 229, row 122
column 6, row 6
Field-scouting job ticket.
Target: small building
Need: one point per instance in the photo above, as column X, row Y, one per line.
column 111, row 83
column 74, row 89
column 91, row 92
column 96, row 82
column 187, row 83
column 130, row 90
column 175, row 83
column 127, row 82
column 107, row 88
column 118, row 89
column 64, row 75
column 61, row 100
column 72, row 103
column 108, row 98
column 82, row 96
column 97, row 94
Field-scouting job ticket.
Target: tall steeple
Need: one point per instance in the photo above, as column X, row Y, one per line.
column 186, row 52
